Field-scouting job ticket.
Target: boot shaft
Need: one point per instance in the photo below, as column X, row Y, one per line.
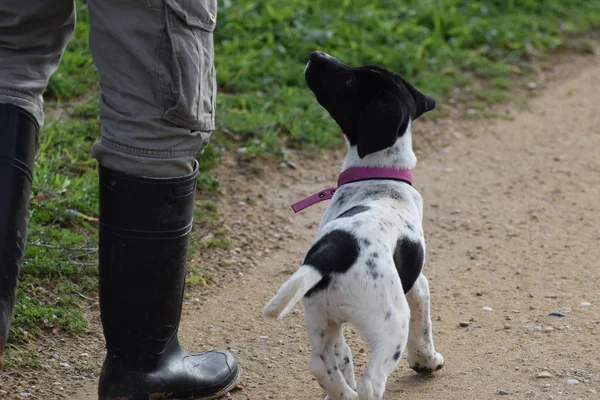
column 144, row 229
column 18, row 145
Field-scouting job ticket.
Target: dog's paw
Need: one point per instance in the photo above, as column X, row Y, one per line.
column 428, row 365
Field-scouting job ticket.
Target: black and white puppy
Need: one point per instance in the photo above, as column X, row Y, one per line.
column 365, row 266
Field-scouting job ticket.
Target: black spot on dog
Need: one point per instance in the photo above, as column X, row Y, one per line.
column 353, row 211
column 328, row 372
column 375, row 255
column 335, row 368
column 366, row 242
column 334, row 253
column 396, row 356
column 408, row 257
column 388, row 315
column 341, row 199
column 386, row 190
column 322, row 358
column 322, row 285
column 371, row 263
column 410, row 227
column 322, row 333
column 346, row 360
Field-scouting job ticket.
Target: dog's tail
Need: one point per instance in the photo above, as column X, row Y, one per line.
column 292, row 291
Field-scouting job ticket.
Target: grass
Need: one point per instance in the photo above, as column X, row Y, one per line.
column 264, row 109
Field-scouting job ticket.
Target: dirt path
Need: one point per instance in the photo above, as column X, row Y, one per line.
column 512, row 222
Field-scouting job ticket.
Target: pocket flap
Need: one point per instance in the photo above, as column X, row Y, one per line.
column 198, row 13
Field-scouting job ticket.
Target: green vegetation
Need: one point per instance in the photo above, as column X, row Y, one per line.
column 437, row 44
column 264, row 108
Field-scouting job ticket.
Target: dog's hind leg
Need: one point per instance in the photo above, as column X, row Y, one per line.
column 386, row 337
column 324, row 335
column 343, row 355
column 422, row 356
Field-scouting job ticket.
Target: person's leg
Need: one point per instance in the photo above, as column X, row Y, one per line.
column 33, row 35
column 155, row 60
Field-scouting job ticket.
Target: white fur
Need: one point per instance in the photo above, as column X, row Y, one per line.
column 385, row 318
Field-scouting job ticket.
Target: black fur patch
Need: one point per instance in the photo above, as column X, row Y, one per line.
column 381, row 191
column 408, row 257
column 334, row 253
column 353, row 211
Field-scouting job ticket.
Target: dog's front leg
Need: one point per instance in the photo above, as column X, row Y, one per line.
column 422, row 356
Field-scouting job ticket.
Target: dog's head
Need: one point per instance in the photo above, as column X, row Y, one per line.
column 372, row 105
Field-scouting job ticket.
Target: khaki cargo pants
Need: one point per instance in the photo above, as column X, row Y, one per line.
column 155, row 61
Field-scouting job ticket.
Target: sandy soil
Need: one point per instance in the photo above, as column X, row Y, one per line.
column 512, row 222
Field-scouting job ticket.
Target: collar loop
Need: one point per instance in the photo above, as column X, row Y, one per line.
column 354, row 175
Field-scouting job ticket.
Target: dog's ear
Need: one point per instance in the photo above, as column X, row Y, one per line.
column 423, row 103
column 380, row 123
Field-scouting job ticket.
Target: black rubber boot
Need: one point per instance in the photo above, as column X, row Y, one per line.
column 18, row 144
column 145, row 224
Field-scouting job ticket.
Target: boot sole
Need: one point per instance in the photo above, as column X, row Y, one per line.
column 222, row 393
column 157, row 396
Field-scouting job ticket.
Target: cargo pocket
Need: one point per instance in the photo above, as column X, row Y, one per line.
column 185, row 64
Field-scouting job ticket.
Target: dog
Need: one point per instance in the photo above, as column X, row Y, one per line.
column 364, row 267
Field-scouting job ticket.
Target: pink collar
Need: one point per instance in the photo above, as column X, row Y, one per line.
column 353, row 175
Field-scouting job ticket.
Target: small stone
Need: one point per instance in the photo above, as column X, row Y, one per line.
column 585, row 304
column 572, row 382
column 531, row 294
column 548, row 329
column 544, row 374
column 463, row 324
column 507, row 326
column 486, row 308
column 516, row 311
column 502, row 393
column 556, row 314
column 64, row 364
column 263, row 337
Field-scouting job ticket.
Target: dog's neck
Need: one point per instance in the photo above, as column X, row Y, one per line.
column 399, row 156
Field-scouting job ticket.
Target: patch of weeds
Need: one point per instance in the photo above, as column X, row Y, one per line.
column 89, row 110
column 198, row 277
column 207, row 182
column 219, row 239
column 23, row 359
column 491, row 95
column 500, row 83
column 205, row 212
column 36, row 312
